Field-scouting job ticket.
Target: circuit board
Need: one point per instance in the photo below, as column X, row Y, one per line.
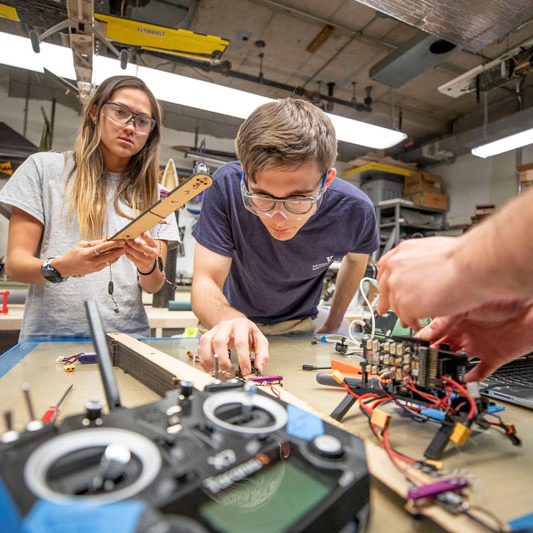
column 414, row 357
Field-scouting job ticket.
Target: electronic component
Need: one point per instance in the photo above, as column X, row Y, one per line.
column 416, row 358
column 418, row 378
column 432, row 490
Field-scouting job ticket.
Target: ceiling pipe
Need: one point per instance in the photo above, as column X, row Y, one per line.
column 442, row 150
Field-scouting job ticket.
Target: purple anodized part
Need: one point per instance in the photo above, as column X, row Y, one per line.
column 266, row 379
column 432, row 490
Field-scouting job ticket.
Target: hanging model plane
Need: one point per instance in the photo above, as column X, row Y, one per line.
column 84, row 25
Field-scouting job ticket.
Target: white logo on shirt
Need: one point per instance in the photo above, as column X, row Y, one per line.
column 329, row 260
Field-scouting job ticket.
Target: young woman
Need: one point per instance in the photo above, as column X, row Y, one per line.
column 62, row 206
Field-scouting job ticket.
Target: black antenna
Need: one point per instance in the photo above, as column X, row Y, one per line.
column 102, row 355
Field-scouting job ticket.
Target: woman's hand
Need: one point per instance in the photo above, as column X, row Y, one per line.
column 87, row 257
column 142, row 252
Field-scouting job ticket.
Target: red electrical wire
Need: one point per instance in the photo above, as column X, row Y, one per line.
column 464, row 392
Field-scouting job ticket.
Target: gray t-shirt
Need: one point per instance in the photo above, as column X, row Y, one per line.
column 56, row 309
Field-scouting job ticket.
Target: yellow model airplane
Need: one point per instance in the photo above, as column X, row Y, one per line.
column 84, row 25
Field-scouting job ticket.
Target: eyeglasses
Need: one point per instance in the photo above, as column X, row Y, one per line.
column 122, row 115
column 295, row 207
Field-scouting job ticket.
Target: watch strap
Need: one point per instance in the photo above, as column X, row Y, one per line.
column 50, row 273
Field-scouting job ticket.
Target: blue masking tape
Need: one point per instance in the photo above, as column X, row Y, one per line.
column 9, row 516
column 302, row 424
column 47, row 517
column 435, row 414
column 523, row 523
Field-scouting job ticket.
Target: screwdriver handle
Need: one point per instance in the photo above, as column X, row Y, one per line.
column 51, row 415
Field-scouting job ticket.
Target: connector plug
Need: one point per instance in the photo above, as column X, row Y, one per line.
column 380, row 418
column 460, row 434
column 338, row 377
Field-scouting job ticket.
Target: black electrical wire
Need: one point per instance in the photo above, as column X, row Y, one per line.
column 501, row 525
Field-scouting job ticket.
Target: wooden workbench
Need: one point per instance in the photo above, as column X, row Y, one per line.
column 500, row 472
column 159, row 317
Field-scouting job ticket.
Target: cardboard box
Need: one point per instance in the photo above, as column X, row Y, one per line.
column 435, row 200
column 378, row 157
column 422, row 182
column 485, row 209
column 525, row 173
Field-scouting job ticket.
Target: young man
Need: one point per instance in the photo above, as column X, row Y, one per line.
column 270, row 227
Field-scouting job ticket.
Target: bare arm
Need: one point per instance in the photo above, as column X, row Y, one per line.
column 497, row 255
column 208, row 301
column 349, row 276
column 441, row 276
column 25, row 233
column 229, row 327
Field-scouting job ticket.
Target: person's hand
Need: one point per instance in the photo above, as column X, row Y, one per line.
column 419, row 278
column 87, row 257
column 495, row 332
column 142, row 252
column 328, row 327
column 240, row 333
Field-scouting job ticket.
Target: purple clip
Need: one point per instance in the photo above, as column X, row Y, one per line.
column 432, row 490
column 266, row 379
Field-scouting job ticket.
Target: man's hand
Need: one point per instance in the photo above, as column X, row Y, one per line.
column 240, row 333
column 329, row 327
column 420, row 278
column 495, row 332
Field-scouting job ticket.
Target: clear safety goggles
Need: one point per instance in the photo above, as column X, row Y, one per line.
column 293, row 207
column 121, row 115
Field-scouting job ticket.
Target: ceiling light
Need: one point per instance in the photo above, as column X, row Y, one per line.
column 16, row 51
column 504, row 145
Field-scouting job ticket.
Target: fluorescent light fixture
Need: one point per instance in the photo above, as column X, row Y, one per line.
column 504, row 145
column 17, row 52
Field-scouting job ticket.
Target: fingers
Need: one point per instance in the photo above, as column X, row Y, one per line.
column 105, row 260
column 242, row 347
column 205, row 350
column 438, row 328
column 481, row 371
column 142, row 251
column 260, row 347
column 150, row 241
column 221, row 343
column 241, row 333
column 384, row 290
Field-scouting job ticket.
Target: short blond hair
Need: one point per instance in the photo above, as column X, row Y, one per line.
column 286, row 133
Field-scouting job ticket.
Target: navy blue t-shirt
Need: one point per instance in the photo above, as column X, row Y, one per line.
column 269, row 280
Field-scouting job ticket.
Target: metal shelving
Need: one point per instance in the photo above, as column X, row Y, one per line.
column 402, row 216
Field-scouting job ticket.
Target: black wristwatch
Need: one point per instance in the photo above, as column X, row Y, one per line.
column 50, row 273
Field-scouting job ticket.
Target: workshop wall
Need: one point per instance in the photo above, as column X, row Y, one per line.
column 470, row 180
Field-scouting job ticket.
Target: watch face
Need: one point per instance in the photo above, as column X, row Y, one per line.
column 50, row 273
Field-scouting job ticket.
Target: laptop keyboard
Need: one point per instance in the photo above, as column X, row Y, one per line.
column 517, row 373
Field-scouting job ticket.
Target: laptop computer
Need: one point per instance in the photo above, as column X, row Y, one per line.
column 512, row 382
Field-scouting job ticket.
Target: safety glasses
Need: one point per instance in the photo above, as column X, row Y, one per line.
column 294, row 207
column 121, row 115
